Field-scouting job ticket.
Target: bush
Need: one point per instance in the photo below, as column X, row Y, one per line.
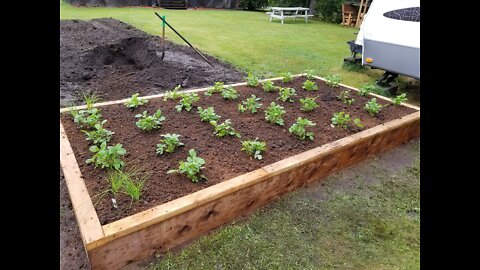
column 289, row 3
column 329, row 10
column 253, row 4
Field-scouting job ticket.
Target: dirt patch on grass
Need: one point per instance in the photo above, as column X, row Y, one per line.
column 116, row 60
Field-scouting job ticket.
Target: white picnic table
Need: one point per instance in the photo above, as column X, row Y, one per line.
column 289, row 12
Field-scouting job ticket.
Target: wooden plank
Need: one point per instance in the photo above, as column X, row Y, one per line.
column 87, row 219
column 162, row 212
column 194, row 90
column 212, row 210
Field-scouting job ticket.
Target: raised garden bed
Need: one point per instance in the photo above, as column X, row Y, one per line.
column 172, row 209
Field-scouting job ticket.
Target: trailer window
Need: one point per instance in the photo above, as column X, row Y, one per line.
column 405, row 14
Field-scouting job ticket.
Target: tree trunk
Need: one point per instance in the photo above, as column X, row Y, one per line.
column 313, row 4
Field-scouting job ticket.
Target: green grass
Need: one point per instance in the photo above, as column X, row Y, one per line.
column 371, row 225
column 247, row 40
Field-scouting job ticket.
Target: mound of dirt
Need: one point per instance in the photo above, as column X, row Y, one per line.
column 115, row 60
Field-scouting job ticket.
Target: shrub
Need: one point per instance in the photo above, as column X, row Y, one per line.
column 329, row 10
column 253, row 4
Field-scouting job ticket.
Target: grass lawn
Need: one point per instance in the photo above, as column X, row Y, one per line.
column 247, row 40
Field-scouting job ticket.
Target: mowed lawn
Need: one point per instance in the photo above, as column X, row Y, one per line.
column 247, row 40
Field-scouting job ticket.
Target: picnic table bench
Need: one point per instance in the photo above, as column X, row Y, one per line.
column 289, row 12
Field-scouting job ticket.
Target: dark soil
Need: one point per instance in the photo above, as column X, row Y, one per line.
column 115, row 60
column 223, row 157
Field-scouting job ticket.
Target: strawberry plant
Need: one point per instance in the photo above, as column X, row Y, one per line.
column 310, row 86
column 333, row 80
column 287, row 77
column 208, row 114
column 268, row 86
column 134, row 101
column 107, row 157
column 173, row 94
column 286, row 94
column 99, row 134
column 399, row 99
column 357, row 122
column 168, row 143
column 187, row 101
column 251, row 104
column 216, row 88
column 254, row 148
column 308, row 104
column 150, row 122
column 340, row 119
column 252, row 80
column 372, row 107
column 192, row 167
column 344, row 96
column 298, row 128
column 224, row 129
column 274, row 113
column 310, row 73
column 87, row 117
column 229, row 93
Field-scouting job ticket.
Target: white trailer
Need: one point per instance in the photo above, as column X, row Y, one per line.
column 389, row 39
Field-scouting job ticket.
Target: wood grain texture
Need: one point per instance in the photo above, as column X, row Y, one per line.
column 87, row 219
